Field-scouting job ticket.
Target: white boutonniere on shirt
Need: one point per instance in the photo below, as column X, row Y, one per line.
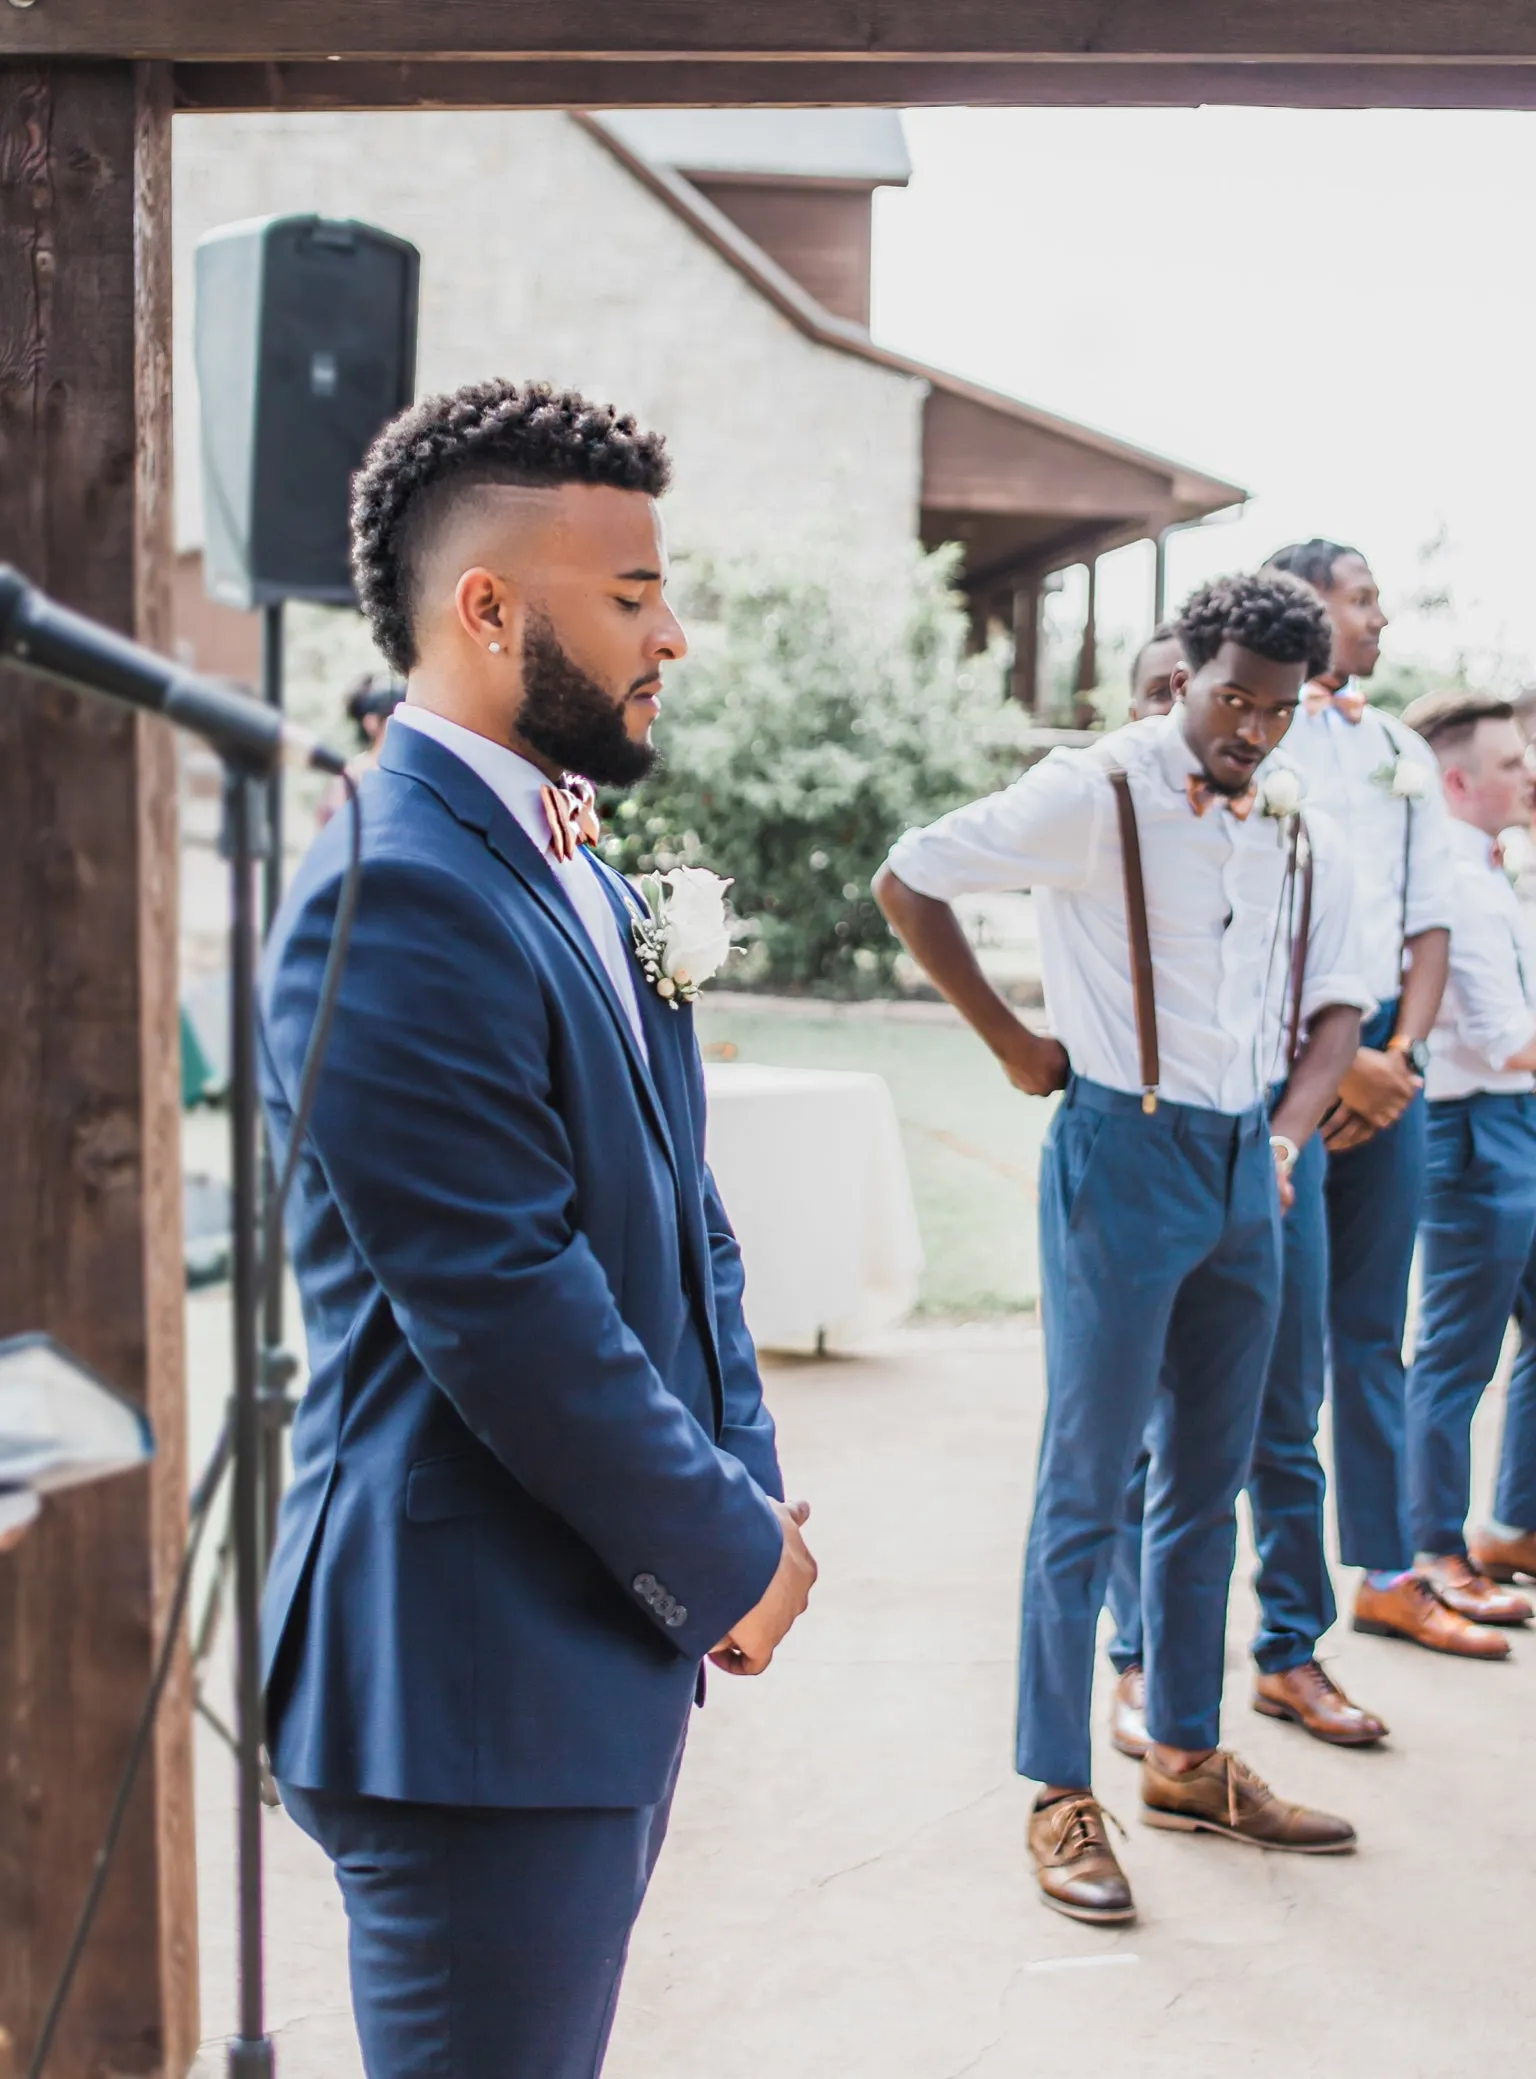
column 684, row 938
column 1404, row 778
column 1281, row 793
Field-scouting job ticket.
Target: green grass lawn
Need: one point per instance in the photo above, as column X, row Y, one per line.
column 972, row 1141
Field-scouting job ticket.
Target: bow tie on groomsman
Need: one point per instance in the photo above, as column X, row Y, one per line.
column 1202, row 792
column 570, row 810
column 1342, row 695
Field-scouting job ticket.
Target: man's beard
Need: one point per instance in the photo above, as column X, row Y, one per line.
column 569, row 718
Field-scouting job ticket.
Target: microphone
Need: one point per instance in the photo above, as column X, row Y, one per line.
column 49, row 640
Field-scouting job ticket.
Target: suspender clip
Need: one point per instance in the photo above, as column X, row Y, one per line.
column 1149, row 1102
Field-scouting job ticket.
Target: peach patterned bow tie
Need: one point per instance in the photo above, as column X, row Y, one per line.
column 1496, row 854
column 1343, row 696
column 570, row 811
column 1202, row 793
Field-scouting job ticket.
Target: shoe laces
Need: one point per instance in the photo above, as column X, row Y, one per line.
column 1084, row 1828
column 1320, row 1682
column 1240, row 1777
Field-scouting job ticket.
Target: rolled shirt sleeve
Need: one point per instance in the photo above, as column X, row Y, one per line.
column 1335, row 972
column 1430, row 903
column 1493, row 1015
column 1042, row 832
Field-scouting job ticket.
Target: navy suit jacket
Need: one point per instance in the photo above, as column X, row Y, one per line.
column 531, row 1464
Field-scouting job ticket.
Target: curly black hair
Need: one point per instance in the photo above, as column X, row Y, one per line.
column 1269, row 613
column 1314, row 561
column 485, row 433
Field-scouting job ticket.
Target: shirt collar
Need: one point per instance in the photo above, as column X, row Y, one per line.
column 1470, row 843
column 517, row 785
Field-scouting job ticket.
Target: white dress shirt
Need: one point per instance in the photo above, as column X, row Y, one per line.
column 1344, row 764
column 516, row 785
column 1215, row 890
column 1488, row 1011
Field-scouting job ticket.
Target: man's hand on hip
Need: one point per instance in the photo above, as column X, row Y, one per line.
column 1033, row 1063
column 750, row 1644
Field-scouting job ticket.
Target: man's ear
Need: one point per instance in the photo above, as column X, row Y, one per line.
column 488, row 609
column 1178, row 681
column 1456, row 786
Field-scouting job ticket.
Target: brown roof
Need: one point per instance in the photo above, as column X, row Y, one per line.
column 1037, row 492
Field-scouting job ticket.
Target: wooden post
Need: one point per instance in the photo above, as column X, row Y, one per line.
column 90, row 1174
column 1026, row 643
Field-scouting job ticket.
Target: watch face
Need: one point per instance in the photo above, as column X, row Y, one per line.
column 1418, row 1056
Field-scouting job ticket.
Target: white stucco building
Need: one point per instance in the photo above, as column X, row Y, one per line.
column 708, row 271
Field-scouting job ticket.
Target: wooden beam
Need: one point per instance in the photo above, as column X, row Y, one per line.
column 867, row 30
column 90, row 1170
column 224, row 86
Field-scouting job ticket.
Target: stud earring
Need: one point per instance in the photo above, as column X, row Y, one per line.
column 495, row 649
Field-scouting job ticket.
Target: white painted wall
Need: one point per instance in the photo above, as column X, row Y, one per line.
column 543, row 257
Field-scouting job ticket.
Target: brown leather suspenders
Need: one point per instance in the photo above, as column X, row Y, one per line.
column 1301, row 932
column 1141, row 944
column 1144, row 994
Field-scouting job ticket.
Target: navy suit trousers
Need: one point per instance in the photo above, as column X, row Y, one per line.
column 1477, row 1237
column 484, row 1942
column 1160, row 1260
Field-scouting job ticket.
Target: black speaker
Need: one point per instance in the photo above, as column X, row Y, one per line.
column 305, row 343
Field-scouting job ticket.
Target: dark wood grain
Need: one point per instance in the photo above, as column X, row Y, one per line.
column 903, row 83
column 1166, row 29
column 89, row 1171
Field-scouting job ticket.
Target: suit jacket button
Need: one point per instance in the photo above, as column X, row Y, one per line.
column 644, row 1586
column 676, row 1616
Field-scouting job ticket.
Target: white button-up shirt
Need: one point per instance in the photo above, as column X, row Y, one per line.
column 1216, row 912
column 1488, row 1011
column 517, row 786
column 1347, row 767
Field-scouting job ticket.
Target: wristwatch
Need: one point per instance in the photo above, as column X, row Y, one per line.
column 1285, row 1151
column 1417, row 1051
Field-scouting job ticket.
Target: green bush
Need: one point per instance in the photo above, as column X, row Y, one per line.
column 802, row 736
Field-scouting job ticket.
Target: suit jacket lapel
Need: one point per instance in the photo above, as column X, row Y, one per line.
column 664, row 1028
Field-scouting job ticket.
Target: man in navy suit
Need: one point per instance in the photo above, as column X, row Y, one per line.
column 535, row 1485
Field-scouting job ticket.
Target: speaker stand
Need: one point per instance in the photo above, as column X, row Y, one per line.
column 278, row 1366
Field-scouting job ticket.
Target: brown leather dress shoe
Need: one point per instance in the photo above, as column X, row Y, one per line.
column 1222, row 1795
column 1128, row 1720
column 1504, row 1559
column 1410, row 1609
column 1310, row 1698
column 1462, row 1588
column 1075, row 1866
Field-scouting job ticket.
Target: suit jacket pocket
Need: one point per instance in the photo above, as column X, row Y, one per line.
column 440, row 1489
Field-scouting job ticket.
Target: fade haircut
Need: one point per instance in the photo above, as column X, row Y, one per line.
column 1314, row 561
column 1273, row 615
column 485, row 433
column 1165, row 631
column 1448, row 721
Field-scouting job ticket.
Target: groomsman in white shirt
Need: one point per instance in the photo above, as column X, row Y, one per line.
column 1478, row 1237
column 1167, row 884
column 1347, row 1302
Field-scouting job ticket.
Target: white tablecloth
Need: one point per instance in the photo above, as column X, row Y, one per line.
column 811, row 1168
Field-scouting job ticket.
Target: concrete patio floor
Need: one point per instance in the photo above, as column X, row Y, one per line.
column 845, row 1893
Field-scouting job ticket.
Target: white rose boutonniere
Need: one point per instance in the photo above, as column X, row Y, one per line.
column 684, row 939
column 1404, row 778
column 1281, row 793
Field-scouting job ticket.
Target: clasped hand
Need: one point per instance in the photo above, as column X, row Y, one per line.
column 750, row 1644
column 1375, row 1093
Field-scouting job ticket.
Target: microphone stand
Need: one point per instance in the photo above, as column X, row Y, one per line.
column 51, row 642
column 243, row 843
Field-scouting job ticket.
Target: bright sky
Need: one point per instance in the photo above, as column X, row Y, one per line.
column 1332, row 309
